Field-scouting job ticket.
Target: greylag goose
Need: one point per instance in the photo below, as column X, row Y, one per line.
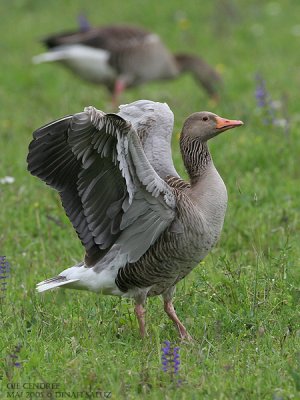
column 142, row 226
column 124, row 56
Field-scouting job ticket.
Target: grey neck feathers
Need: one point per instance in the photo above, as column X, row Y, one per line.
column 196, row 157
column 203, row 73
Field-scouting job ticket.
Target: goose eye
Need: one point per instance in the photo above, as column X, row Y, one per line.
column 204, row 118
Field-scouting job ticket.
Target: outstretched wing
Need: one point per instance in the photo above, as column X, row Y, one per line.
column 153, row 123
column 106, row 183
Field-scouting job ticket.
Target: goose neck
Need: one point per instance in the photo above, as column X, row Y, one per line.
column 196, row 157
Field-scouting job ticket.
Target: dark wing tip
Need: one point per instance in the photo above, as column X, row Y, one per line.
column 61, row 123
column 40, row 140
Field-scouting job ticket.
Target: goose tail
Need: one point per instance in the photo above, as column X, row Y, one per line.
column 50, row 56
column 53, row 283
column 82, row 277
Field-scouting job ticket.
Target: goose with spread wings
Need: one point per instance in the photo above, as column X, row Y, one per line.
column 143, row 227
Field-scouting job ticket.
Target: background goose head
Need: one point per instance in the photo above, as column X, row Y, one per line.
column 205, row 125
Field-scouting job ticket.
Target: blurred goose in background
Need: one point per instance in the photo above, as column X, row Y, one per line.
column 142, row 226
column 120, row 57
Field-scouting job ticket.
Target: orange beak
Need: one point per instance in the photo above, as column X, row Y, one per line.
column 223, row 123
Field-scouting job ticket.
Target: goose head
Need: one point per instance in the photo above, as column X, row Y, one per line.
column 205, row 125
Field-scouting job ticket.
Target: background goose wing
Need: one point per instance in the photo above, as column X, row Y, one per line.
column 111, row 38
column 97, row 164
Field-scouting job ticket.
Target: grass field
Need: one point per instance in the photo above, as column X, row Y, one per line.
column 242, row 303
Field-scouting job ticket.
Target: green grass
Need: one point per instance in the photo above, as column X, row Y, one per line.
column 242, row 303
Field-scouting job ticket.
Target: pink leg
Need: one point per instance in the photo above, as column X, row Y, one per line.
column 169, row 309
column 140, row 314
column 118, row 89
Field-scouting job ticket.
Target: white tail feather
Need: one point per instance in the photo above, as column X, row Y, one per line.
column 49, row 57
column 81, row 277
column 46, row 285
column 89, row 63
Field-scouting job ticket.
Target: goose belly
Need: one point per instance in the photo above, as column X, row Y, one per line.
column 182, row 246
column 184, row 258
column 169, row 260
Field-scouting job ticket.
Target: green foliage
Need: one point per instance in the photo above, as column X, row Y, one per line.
column 242, row 303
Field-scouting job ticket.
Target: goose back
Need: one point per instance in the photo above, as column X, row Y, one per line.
column 135, row 53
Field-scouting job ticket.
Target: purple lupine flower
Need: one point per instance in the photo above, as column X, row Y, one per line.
column 84, row 24
column 176, row 360
column 12, row 362
column 170, row 359
column 165, row 355
column 261, row 93
column 14, row 356
column 263, row 99
column 4, row 274
column 274, row 111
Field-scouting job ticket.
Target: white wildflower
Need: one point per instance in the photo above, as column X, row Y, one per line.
column 7, row 179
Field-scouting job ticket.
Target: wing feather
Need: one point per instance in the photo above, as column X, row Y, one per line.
column 110, row 191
